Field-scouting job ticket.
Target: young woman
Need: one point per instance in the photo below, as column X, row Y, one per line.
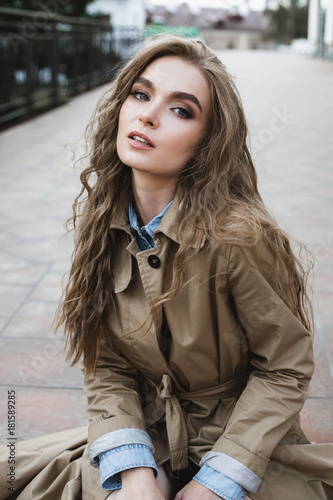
column 185, row 301
column 185, row 298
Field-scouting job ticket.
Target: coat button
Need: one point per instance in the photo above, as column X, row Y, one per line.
column 154, row 261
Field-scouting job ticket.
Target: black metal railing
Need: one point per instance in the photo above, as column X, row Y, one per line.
column 46, row 58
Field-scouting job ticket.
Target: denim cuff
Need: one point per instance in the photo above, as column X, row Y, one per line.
column 229, row 466
column 219, row 484
column 112, row 462
column 115, row 439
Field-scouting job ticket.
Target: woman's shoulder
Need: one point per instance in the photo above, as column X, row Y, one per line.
column 245, row 248
column 243, row 237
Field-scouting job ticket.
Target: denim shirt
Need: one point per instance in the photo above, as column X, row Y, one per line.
column 128, row 448
column 144, row 234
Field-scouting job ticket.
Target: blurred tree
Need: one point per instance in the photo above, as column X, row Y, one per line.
column 64, row 7
column 289, row 20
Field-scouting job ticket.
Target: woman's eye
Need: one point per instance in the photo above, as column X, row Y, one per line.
column 141, row 96
column 183, row 113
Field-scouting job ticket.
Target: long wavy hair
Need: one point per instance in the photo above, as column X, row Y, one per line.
column 217, row 188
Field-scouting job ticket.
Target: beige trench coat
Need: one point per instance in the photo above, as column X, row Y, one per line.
column 225, row 367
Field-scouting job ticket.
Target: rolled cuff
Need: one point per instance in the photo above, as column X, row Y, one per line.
column 233, row 469
column 115, row 439
column 119, row 459
column 221, row 485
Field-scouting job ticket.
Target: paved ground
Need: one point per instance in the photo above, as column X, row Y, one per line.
column 289, row 102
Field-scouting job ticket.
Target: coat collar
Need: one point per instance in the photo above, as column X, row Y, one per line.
column 169, row 224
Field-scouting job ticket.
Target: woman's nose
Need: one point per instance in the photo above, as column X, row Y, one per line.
column 146, row 120
column 149, row 117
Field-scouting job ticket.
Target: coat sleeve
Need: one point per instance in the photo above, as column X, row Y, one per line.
column 281, row 357
column 113, row 394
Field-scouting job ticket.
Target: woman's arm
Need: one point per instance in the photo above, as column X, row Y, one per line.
column 112, row 394
column 117, row 438
column 281, row 355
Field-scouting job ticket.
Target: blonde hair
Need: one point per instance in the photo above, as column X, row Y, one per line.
column 217, row 188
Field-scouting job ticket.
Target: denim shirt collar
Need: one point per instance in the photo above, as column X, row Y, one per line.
column 144, row 234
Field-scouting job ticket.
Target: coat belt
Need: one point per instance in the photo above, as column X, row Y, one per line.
column 163, row 401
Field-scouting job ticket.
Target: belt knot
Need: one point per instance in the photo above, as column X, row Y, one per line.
column 164, row 388
column 163, row 401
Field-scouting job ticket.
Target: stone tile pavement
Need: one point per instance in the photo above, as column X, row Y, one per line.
column 289, row 103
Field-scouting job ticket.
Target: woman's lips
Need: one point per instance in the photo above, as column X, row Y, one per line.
column 139, row 140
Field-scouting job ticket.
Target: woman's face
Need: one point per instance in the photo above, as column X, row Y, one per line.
column 165, row 115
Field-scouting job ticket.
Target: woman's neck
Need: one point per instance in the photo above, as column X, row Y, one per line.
column 151, row 196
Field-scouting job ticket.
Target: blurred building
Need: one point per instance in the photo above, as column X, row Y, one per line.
column 320, row 27
column 123, row 13
column 128, row 20
column 225, row 27
column 229, row 26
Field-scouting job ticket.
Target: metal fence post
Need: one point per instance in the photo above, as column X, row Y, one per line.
column 28, row 70
column 55, row 64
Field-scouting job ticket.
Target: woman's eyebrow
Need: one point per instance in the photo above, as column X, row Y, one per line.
column 145, row 82
column 177, row 94
column 188, row 97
